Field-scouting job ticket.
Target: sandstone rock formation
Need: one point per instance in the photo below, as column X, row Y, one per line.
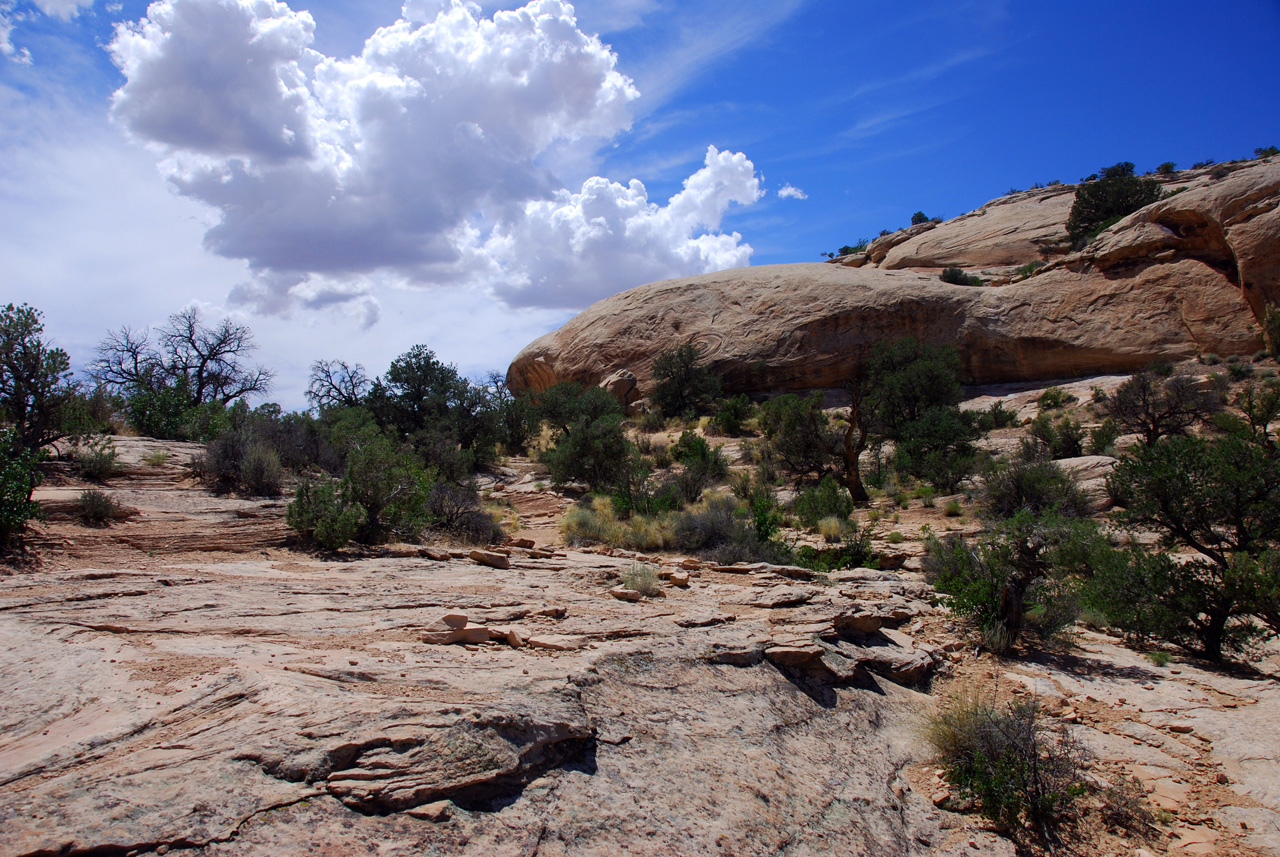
column 1189, row 274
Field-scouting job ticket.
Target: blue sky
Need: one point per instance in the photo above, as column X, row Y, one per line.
column 469, row 184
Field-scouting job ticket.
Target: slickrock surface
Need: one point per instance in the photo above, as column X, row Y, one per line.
column 1184, row 276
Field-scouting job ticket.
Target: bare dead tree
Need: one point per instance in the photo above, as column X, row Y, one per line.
column 209, row 363
column 337, row 384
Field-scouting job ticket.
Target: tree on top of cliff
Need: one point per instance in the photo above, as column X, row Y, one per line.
column 1102, row 203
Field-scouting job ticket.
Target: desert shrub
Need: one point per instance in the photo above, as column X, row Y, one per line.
column 19, row 476
column 260, row 473
column 393, row 488
column 1266, row 151
column 731, row 415
column 798, row 433
column 97, row 507
column 1037, row 487
column 895, row 538
column 1239, row 370
column 1168, row 168
column 995, row 417
column 1102, row 203
column 1103, row 437
column 1030, row 268
column 1200, row 165
column 1063, row 438
column 1159, row 658
column 831, row 529
column 321, row 515
column 1219, row 496
column 1022, row 774
column 97, row 459
column 681, row 386
column 652, row 422
column 825, row 500
column 1054, row 397
column 456, row 509
column 719, row 532
column 938, row 447
column 1021, row 575
column 590, row 444
column 926, row 494
column 1157, row 407
column 856, row 552
column 957, row 277
column 157, row 458
column 643, row 578
column 952, row 509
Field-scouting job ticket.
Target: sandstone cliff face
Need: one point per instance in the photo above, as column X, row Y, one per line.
column 1189, row 274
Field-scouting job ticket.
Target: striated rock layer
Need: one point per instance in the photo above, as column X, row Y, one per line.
column 1190, row 274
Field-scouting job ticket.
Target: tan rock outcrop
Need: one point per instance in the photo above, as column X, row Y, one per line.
column 1183, row 276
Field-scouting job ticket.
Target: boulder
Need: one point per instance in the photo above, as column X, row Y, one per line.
column 493, row 559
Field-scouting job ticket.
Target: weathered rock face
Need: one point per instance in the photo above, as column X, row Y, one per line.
column 1186, row 275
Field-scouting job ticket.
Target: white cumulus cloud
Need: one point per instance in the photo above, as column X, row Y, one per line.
column 563, row 250
column 415, row 161
column 789, row 192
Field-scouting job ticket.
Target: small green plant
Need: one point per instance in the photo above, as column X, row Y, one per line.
column 831, row 529
column 926, row 494
column 97, row 507
column 260, row 471
column 826, row 500
column 320, row 514
column 1102, row 438
column 1030, row 268
column 952, row 509
column 1266, row 151
column 873, row 515
column 1054, row 397
column 731, row 414
column 996, row 417
column 157, row 458
column 918, row 218
column 1168, row 168
column 1159, row 658
column 1023, row 773
column 97, row 459
column 957, row 277
column 642, row 578
column 895, row 538
column 1210, row 359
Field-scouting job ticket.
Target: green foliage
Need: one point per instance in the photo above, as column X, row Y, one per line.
column 855, row 552
column 1021, row 773
column 851, row 249
column 320, row 515
column 719, row 531
column 938, row 447
column 1035, row 486
column 1030, row 268
column 1266, row 151
column 420, row 395
column 1157, row 407
column 97, row 507
column 1103, row 437
column 681, row 386
column 826, row 500
column 97, row 459
column 1061, row 438
column 642, row 578
column 731, row 414
column 1102, row 203
column 995, row 417
column 957, row 277
column 1054, row 397
column 589, row 444
column 1168, row 168
column 1220, row 497
column 455, row 509
column 798, row 433
column 1271, row 329
column 36, row 390
column 19, row 476
column 918, row 218
column 391, row 485
column 1021, row 574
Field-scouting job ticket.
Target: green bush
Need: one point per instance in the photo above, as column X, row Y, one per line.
column 1103, row 437
column 957, row 277
column 1156, row 407
column 798, row 433
column 718, row 531
column 995, row 417
column 19, row 476
column 456, row 509
column 681, row 386
column 320, row 514
column 1023, row 775
column 97, row 507
column 1030, row 268
column 918, row 218
column 97, row 459
column 855, row 552
column 1103, row 203
column 1168, row 168
column 731, row 414
column 260, row 472
column 1054, row 397
column 1063, row 438
column 825, row 500
column 642, row 578
column 1038, row 487
column 1266, row 151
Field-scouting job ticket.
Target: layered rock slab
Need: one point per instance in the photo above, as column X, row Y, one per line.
column 1187, row 275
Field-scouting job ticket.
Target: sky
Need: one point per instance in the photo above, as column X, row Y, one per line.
column 350, row 179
